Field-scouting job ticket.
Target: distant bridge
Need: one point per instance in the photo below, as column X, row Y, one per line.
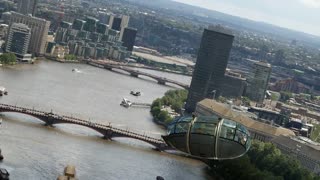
column 107, row 131
column 136, row 73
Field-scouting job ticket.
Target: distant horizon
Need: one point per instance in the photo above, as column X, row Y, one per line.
column 282, row 14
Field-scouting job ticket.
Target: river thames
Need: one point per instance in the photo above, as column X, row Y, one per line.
column 34, row 151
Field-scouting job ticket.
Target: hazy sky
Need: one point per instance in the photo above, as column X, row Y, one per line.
column 302, row 15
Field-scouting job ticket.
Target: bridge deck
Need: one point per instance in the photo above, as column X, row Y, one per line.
column 74, row 120
column 136, row 72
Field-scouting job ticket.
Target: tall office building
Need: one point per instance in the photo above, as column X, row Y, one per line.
column 258, row 81
column 104, row 17
column 128, row 38
column 116, row 23
column 102, row 28
column 91, row 24
column 78, row 24
column 119, row 23
column 39, row 31
column 27, row 7
column 124, row 24
column 211, row 65
column 18, row 39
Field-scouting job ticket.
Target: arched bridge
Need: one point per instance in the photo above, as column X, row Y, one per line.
column 107, row 131
column 136, row 73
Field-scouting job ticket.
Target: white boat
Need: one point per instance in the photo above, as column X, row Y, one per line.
column 3, row 91
column 75, row 70
column 125, row 103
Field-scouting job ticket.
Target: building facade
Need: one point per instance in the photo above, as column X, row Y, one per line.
column 128, row 38
column 211, row 65
column 27, row 7
column 290, row 85
column 233, row 86
column 18, row 39
column 303, row 149
column 258, row 81
column 39, row 31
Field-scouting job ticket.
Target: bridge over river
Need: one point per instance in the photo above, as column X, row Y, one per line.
column 107, row 131
column 136, row 73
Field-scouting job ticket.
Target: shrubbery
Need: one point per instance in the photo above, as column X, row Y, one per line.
column 173, row 98
column 263, row 161
column 8, row 58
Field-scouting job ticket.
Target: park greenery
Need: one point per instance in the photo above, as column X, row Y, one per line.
column 285, row 96
column 263, row 161
column 172, row 98
column 8, row 59
column 70, row 57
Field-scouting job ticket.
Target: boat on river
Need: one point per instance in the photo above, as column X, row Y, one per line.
column 125, row 103
column 75, row 70
column 3, row 91
column 137, row 93
column 4, row 174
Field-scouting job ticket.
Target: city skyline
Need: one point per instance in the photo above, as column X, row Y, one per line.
column 279, row 13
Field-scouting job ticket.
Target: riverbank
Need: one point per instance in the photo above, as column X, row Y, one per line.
column 63, row 60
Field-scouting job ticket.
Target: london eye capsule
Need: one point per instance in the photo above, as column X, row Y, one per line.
column 208, row 137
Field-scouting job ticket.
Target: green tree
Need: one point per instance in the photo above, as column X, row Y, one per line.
column 285, row 96
column 163, row 116
column 8, row 58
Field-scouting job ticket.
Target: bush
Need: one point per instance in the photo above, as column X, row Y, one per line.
column 8, row 58
column 173, row 98
column 263, row 161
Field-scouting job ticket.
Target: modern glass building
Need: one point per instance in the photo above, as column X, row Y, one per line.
column 208, row 137
column 78, row 24
column 18, row 39
column 128, row 38
column 211, row 65
column 91, row 24
column 116, row 23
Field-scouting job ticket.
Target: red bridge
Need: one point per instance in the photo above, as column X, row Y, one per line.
column 107, row 131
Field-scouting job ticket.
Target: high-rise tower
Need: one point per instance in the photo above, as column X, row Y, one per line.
column 27, row 7
column 258, row 81
column 39, row 31
column 211, row 65
column 18, row 39
column 128, row 38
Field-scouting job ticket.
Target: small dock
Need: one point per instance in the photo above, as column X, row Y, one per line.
column 140, row 104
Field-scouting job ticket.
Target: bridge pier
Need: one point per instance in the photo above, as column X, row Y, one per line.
column 49, row 121
column 108, row 134
column 108, row 68
column 133, row 74
column 161, row 82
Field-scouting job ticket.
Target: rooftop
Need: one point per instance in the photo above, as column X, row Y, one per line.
column 220, row 29
column 226, row 111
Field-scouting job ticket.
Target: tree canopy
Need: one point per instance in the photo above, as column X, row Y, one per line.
column 173, row 98
column 8, row 58
column 263, row 161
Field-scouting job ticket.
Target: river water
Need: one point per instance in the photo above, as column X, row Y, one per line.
column 34, row 151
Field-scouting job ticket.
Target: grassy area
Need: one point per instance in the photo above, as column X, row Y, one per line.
column 316, row 133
